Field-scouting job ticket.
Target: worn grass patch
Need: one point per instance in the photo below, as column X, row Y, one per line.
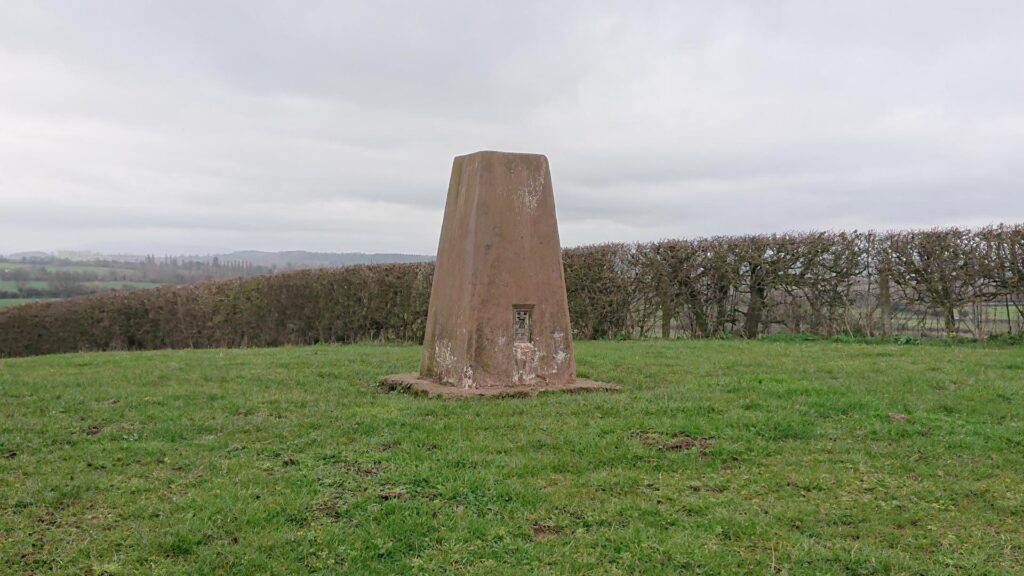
column 716, row 457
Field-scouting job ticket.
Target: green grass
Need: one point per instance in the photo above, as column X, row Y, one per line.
column 120, row 285
column 8, row 302
column 101, row 270
column 274, row 461
column 12, row 286
column 90, row 287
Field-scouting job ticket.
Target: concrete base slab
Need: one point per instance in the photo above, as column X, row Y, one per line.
column 420, row 386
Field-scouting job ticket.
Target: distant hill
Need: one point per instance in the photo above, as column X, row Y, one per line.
column 27, row 277
column 303, row 259
column 36, row 255
column 280, row 260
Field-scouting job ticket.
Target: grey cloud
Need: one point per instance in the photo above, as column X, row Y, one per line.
column 133, row 126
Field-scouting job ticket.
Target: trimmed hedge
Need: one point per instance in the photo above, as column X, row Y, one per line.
column 931, row 282
column 939, row 282
column 377, row 302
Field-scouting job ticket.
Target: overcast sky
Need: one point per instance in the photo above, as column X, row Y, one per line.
column 197, row 127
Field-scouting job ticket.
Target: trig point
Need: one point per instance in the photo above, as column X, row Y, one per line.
column 498, row 322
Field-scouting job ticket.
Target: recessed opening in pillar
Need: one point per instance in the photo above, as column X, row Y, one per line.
column 524, row 355
column 522, row 323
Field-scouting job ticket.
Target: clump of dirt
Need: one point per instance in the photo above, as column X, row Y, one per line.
column 698, row 487
column 896, row 417
column 92, row 429
column 544, row 531
column 677, row 442
column 392, row 495
column 289, row 461
column 686, row 443
column 362, row 469
column 48, row 518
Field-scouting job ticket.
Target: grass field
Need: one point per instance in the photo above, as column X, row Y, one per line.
column 8, row 302
column 716, row 457
column 120, row 285
column 12, row 286
column 102, row 270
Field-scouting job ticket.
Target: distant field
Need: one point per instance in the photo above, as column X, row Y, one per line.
column 69, row 268
column 9, row 286
column 995, row 318
column 120, row 285
column 12, row 286
column 716, row 457
column 8, row 302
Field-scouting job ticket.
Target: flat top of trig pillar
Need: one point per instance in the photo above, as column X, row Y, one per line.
column 499, row 153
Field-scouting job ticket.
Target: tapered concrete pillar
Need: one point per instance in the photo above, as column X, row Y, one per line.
column 498, row 321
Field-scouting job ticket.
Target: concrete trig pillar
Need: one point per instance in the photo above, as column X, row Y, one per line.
column 498, row 321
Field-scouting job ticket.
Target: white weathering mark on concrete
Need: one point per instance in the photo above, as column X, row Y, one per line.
column 560, row 354
column 526, row 363
column 528, row 196
column 445, row 361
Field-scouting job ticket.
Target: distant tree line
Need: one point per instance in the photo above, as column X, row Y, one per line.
column 53, row 277
column 937, row 282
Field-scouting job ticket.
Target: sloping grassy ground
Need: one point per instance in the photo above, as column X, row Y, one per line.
column 716, row 457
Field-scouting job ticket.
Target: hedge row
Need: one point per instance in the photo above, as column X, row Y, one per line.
column 938, row 282
column 946, row 281
column 379, row 302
